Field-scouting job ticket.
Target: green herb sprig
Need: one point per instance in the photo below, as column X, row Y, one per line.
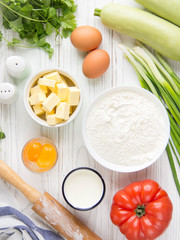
column 35, row 20
column 2, row 135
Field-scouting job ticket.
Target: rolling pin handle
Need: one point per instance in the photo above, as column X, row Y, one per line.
column 12, row 178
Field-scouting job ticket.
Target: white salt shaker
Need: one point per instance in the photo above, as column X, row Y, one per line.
column 8, row 93
column 17, row 67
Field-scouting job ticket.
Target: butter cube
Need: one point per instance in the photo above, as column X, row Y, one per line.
column 43, row 108
column 50, row 113
column 62, row 110
column 62, row 91
column 52, row 120
column 54, row 76
column 51, row 101
column 73, row 96
column 47, row 82
column 38, row 89
column 38, row 110
column 37, row 99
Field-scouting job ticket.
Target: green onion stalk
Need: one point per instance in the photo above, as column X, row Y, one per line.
column 155, row 75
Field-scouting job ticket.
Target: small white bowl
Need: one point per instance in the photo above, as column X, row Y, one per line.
column 30, row 84
column 118, row 167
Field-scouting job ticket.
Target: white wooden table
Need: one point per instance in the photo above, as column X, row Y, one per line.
column 19, row 127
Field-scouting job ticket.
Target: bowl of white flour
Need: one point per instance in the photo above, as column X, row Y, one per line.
column 126, row 129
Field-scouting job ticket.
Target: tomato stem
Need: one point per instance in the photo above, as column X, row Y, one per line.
column 140, row 210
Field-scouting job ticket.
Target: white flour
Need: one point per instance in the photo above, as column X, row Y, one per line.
column 126, row 128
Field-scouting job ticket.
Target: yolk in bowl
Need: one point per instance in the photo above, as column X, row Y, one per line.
column 34, row 151
column 47, row 156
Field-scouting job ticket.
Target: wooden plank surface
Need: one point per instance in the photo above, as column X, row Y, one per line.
column 19, row 127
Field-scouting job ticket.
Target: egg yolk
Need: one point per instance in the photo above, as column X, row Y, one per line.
column 34, row 151
column 47, row 156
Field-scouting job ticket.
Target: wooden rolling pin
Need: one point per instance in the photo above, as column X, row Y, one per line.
column 49, row 209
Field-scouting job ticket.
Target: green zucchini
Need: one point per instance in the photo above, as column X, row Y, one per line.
column 154, row 31
column 168, row 9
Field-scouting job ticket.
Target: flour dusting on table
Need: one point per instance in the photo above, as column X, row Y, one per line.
column 126, row 128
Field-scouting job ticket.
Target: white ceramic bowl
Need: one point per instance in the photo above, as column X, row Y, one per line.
column 30, row 84
column 118, row 167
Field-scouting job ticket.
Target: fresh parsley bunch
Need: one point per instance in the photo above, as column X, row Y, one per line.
column 33, row 20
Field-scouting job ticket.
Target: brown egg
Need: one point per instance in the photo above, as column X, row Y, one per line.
column 96, row 63
column 86, row 38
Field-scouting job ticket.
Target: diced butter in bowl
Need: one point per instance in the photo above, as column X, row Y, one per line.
column 126, row 129
column 52, row 97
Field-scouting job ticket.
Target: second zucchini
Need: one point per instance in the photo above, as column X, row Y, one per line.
column 156, row 32
column 168, row 9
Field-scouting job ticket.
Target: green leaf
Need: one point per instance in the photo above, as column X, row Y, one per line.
column 2, row 135
column 27, row 10
column 51, row 13
column 17, row 25
column 67, row 3
column 14, row 42
column 41, row 42
column 49, row 28
column 39, row 28
column 56, row 4
column 16, row 6
column 46, row 46
column 48, row 49
column 1, row 35
column 45, row 3
column 66, row 33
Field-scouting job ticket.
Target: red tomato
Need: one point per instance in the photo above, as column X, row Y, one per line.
column 142, row 210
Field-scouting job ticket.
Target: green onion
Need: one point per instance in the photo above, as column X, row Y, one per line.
column 173, row 168
column 156, row 75
column 138, row 68
column 168, row 69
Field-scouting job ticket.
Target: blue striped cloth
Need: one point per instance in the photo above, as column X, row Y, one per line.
column 14, row 225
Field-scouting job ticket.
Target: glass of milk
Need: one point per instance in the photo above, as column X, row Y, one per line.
column 83, row 188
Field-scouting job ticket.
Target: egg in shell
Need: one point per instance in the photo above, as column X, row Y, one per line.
column 86, row 38
column 96, row 63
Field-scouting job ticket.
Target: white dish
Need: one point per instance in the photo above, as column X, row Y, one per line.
column 119, row 167
column 32, row 81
